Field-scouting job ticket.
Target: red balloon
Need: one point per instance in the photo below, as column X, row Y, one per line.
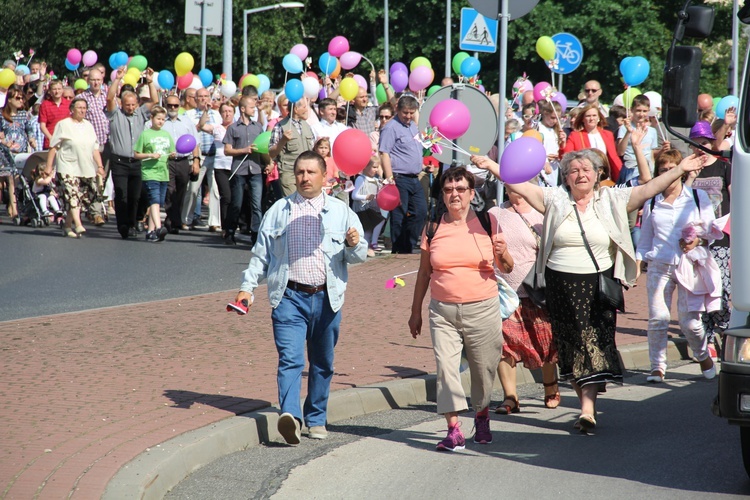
column 388, row 198
column 185, row 80
column 352, row 151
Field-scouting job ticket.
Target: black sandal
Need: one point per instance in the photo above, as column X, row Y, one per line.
column 506, row 409
column 551, row 401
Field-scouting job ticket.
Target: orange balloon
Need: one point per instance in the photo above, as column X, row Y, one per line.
column 535, row 134
column 705, row 101
column 337, row 71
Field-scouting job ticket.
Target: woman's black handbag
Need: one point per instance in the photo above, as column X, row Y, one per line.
column 610, row 290
column 533, row 284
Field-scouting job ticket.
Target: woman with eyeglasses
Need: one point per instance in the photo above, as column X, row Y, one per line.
column 589, row 132
column 16, row 134
column 385, row 113
column 457, row 264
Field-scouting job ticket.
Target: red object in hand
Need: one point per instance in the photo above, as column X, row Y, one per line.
column 239, row 307
column 388, row 198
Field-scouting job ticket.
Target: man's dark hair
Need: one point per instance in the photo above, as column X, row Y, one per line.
column 326, row 102
column 408, row 102
column 311, row 155
column 249, row 90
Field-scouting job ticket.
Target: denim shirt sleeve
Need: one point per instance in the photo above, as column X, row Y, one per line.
column 269, row 255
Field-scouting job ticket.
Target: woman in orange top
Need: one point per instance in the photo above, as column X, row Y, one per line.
column 588, row 133
column 457, row 263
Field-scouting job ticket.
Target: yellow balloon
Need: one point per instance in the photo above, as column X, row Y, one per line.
column 134, row 71
column 629, row 95
column 7, row 78
column 545, row 47
column 349, row 88
column 183, row 64
column 130, row 79
column 420, row 61
column 250, row 79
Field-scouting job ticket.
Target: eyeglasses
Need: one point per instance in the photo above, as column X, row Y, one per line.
column 385, row 117
column 528, row 117
column 591, row 91
column 173, row 106
column 458, row 189
column 18, row 97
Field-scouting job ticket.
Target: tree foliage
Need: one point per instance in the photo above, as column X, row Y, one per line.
column 609, row 30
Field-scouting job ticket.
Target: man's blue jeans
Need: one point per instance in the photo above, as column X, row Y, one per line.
column 237, row 185
column 406, row 230
column 305, row 318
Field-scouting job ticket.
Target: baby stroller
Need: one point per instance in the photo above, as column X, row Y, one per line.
column 29, row 212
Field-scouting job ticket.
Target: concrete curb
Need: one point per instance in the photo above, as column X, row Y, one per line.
column 159, row 469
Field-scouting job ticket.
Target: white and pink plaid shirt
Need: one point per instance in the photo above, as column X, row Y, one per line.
column 306, row 260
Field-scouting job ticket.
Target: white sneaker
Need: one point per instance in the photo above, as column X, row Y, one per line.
column 710, row 373
column 656, row 377
column 289, row 428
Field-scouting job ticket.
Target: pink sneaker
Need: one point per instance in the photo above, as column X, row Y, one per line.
column 482, row 435
column 453, row 441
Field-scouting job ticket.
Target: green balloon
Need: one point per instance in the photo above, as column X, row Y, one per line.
column 139, row 62
column 81, row 84
column 432, row 90
column 420, row 61
column 457, row 60
column 262, row 142
column 380, row 93
column 716, row 103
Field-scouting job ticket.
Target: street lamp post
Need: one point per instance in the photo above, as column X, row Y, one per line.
column 247, row 12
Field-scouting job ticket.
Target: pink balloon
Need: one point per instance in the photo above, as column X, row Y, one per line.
column 300, row 50
column 89, row 58
column 113, row 75
column 522, row 159
column 523, row 86
column 185, row 80
column 421, row 78
column 560, row 98
column 388, row 198
column 399, row 80
column 451, row 117
column 350, row 60
column 74, row 56
column 361, row 81
column 539, row 88
column 338, row 46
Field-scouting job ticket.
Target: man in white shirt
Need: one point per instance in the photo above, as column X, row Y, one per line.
column 328, row 126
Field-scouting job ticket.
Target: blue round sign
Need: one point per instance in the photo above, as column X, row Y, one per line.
column 569, row 53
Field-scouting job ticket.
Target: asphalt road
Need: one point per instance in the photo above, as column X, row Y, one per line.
column 44, row 273
column 656, row 442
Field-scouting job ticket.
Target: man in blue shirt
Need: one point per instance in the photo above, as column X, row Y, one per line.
column 304, row 244
column 401, row 158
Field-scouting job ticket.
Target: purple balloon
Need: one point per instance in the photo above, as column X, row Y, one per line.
column 522, row 159
column 322, row 94
column 560, row 97
column 399, row 80
column 481, row 88
column 300, row 50
column 399, row 66
column 185, row 144
column 361, row 81
column 350, row 60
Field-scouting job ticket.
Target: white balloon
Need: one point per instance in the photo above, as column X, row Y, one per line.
column 619, row 101
column 197, row 83
column 311, row 86
column 655, row 100
column 228, row 89
column 155, row 79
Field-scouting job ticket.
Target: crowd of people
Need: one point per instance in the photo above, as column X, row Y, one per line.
column 614, row 198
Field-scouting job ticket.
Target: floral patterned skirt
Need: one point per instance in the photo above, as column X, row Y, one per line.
column 582, row 328
column 78, row 192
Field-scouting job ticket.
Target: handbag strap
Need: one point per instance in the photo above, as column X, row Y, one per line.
column 531, row 228
column 585, row 241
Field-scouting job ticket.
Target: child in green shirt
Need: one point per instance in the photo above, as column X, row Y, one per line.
column 154, row 147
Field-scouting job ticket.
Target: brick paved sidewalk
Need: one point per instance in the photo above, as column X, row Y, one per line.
column 84, row 393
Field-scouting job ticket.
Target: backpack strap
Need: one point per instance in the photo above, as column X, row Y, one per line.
column 484, row 220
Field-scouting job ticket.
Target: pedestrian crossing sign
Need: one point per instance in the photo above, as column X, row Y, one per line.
column 478, row 33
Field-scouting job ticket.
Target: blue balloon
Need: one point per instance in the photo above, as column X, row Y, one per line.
column 206, row 77
column 470, row 67
column 113, row 60
column 122, row 59
column 265, row 83
column 70, row 66
column 294, row 90
column 23, row 68
column 166, row 79
column 725, row 103
column 292, row 63
column 624, row 64
column 636, row 71
column 327, row 63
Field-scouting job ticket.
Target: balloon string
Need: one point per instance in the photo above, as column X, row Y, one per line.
column 405, row 274
column 549, row 100
column 453, row 145
column 286, row 75
column 372, row 66
column 658, row 126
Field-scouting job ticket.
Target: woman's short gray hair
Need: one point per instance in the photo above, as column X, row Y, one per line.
column 583, row 154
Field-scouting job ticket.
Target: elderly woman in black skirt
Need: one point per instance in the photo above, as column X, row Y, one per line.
column 583, row 326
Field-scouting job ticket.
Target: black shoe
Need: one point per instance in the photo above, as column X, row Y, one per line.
column 133, row 232
column 151, row 236
column 229, row 239
column 161, row 233
column 123, row 230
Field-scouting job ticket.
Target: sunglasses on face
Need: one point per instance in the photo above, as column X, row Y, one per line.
column 173, row 106
column 458, row 189
column 591, row 91
column 384, row 117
